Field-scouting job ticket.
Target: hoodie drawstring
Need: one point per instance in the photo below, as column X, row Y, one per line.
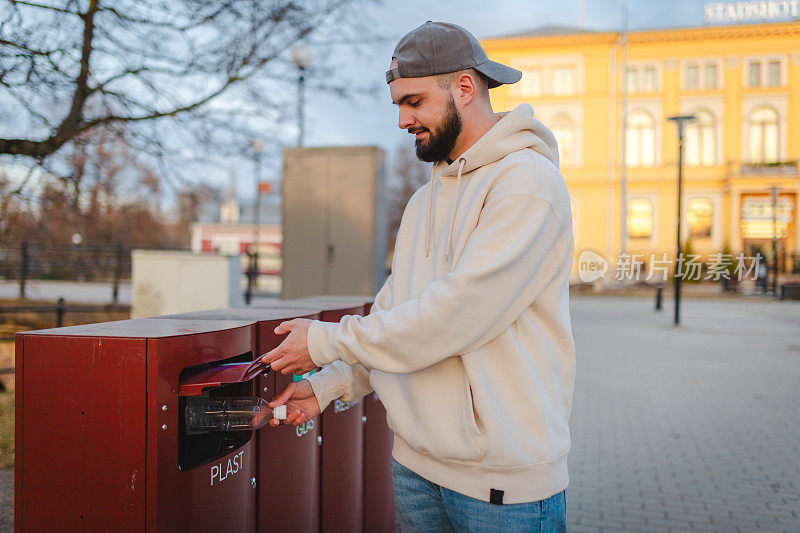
column 428, row 223
column 461, row 163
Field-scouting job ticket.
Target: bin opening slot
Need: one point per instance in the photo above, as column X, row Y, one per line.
column 218, row 375
column 234, row 379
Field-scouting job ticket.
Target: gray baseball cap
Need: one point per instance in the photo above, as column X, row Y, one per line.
column 440, row 48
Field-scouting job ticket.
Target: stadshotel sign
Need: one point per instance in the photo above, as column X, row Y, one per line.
column 753, row 10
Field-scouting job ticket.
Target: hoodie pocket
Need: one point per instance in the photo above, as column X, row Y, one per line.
column 471, row 419
column 432, row 411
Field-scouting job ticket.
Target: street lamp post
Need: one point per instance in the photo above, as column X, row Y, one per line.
column 774, row 195
column 301, row 55
column 680, row 121
column 252, row 277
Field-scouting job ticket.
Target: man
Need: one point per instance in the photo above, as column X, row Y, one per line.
column 468, row 344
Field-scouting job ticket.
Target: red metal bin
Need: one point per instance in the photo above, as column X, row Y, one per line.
column 101, row 443
column 288, row 456
column 378, row 508
column 378, row 440
column 342, row 502
column 378, row 494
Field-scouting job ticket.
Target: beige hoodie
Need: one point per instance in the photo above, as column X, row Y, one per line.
column 469, row 345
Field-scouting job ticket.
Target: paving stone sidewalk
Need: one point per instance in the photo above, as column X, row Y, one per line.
column 695, row 428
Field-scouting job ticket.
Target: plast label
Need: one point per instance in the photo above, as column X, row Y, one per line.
column 222, row 471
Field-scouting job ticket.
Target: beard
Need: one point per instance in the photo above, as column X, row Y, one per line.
column 442, row 140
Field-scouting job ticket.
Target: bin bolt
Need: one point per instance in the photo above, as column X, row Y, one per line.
column 364, row 419
column 253, row 482
column 163, row 407
column 164, row 427
column 266, row 389
column 319, row 441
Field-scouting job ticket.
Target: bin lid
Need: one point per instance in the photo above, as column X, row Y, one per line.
column 224, row 374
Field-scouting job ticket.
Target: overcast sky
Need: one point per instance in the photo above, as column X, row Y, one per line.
column 372, row 120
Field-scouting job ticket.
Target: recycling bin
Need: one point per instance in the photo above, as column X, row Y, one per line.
column 378, row 507
column 378, row 440
column 378, row 495
column 288, row 457
column 342, row 466
column 102, row 442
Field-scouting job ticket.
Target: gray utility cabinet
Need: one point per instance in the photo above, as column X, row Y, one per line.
column 334, row 221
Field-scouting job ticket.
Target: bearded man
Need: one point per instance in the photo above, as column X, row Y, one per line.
column 468, row 344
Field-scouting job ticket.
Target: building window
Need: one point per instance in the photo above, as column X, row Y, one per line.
column 641, row 79
column 563, row 128
column 702, row 75
column 701, row 146
column 631, row 84
column 640, row 218
column 700, row 217
column 563, row 81
column 774, row 73
column 649, row 80
column 762, row 130
column 757, row 217
column 531, row 83
column 754, row 74
column 711, row 76
column 640, row 140
column 692, row 77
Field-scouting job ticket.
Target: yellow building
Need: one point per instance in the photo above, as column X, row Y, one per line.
column 742, row 83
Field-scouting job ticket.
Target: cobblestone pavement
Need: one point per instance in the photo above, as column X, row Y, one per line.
column 688, row 428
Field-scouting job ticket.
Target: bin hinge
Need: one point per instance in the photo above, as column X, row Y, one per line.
column 319, row 440
column 253, row 482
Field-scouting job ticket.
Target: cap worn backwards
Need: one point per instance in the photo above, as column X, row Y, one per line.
column 440, row 48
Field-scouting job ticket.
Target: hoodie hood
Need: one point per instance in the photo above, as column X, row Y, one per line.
column 514, row 131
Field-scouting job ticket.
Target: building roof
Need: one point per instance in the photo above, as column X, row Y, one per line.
column 548, row 30
column 565, row 35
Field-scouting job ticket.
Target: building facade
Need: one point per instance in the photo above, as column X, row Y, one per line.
column 607, row 97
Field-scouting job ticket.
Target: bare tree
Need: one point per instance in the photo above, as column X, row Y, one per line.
column 107, row 195
column 216, row 69
column 15, row 220
column 190, row 202
column 409, row 174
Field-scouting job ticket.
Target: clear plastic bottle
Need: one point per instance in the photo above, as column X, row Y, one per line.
column 230, row 414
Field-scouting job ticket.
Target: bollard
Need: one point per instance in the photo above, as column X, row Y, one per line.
column 117, row 272
column 659, row 291
column 60, row 309
column 23, row 269
column 248, row 293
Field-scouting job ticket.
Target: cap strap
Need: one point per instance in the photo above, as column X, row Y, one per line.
column 392, row 74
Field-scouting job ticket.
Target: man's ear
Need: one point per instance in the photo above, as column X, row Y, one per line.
column 465, row 87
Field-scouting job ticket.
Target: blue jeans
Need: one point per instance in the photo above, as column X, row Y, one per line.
column 425, row 506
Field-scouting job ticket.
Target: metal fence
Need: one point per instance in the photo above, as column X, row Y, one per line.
column 55, row 311
column 31, row 260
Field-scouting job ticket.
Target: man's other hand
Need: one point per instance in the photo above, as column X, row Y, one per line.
column 301, row 404
column 291, row 356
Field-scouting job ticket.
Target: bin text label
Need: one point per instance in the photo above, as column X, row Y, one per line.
column 233, row 466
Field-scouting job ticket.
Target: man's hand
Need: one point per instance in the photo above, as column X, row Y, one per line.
column 301, row 404
column 291, row 356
